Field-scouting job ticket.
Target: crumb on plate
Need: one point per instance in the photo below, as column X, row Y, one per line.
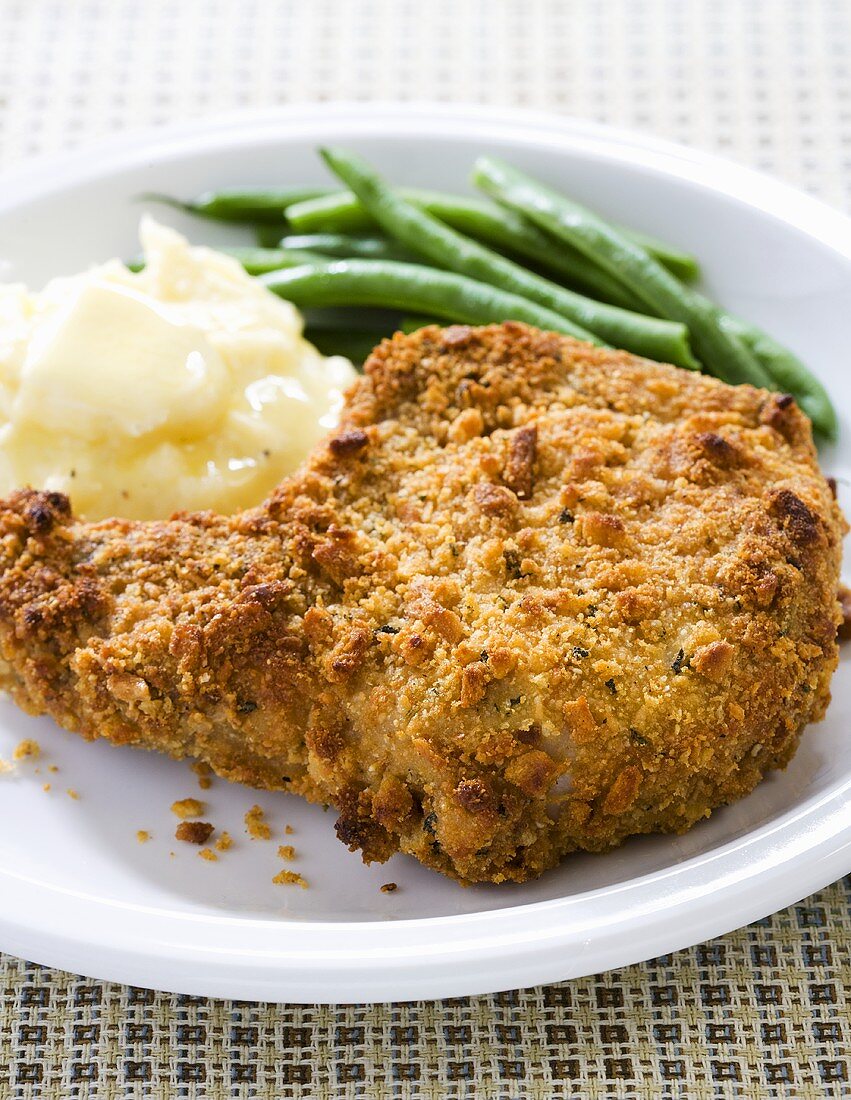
column 143, row 836
column 256, row 825
column 46, row 788
column 52, row 768
column 72, row 794
column 26, row 748
column 187, row 807
column 289, row 830
column 286, row 851
column 289, row 878
column 224, row 842
column 204, row 773
column 208, row 854
column 194, row 832
column 389, row 888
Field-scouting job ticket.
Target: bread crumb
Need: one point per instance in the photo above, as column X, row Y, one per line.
column 289, row 830
column 289, row 878
column 143, row 836
column 224, row 842
column 208, row 854
column 187, row 807
column 72, row 794
column 256, row 825
column 194, row 832
column 286, row 851
column 27, row 748
column 204, row 772
column 52, row 768
column 389, row 888
column 46, row 788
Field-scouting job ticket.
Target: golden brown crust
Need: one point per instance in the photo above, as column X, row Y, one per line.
column 531, row 597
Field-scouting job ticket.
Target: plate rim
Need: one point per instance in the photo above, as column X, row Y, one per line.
column 504, row 948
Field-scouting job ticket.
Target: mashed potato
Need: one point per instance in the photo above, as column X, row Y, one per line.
column 186, row 386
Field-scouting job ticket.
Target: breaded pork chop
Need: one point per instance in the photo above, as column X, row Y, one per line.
column 531, row 597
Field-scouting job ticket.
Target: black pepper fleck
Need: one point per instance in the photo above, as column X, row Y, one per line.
column 512, row 563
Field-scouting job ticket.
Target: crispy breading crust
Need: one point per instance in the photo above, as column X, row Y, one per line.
column 531, row 597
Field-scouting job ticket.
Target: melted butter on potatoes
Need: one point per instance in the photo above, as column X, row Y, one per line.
column 185, row 386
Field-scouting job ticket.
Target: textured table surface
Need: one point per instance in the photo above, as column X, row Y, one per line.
column 761, row 1012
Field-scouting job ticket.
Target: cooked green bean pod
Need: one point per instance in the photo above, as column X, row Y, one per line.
column 245, row 205
column 257, row 261
column 268, row 234
column 682, row 264
column 411, row 288
column 722, row 352
column 346, row 246
column 502, row 229
column 342, row 213
column 643, row 335
column 789, row 374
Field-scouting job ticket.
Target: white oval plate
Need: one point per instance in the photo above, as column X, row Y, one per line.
column 76, row 888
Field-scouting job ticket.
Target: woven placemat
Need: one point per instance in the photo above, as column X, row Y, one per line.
column 761, row 1012
column 764, row 1011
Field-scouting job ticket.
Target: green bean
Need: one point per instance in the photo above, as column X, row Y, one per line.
column 257, row 261
column 355, row 346
column 411, row 288
column 349, row 247
column 338, row 212
column 789, row 374
column 341, row 212
column 515, row 235
column 723, row 352
column 242, row 204
column 682, row 264
column 415, row 228
column 268, row 235
column 500, row 228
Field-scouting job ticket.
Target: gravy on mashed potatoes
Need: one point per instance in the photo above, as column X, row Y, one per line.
column 185, row 386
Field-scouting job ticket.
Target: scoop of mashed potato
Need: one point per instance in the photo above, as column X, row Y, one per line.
column 185, row 386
